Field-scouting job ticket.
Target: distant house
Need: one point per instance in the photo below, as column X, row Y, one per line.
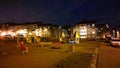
column 67, row 30
column 31, row 29
column 115, row 32
column 85, row 29
column 49, row 30
column 103, row 31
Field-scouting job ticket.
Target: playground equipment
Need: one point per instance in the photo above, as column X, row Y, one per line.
column 22, row 48
column 20, row 38
column 32, row 38
column 36, row 39
column 28, row 39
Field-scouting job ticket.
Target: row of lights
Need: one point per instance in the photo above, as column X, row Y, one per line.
column 37, row 32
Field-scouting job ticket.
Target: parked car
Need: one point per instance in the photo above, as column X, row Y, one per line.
column 115, row 42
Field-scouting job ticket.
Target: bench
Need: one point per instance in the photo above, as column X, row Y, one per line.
column 43, row 44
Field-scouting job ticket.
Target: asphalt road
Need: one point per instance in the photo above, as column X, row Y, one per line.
column 109, row 57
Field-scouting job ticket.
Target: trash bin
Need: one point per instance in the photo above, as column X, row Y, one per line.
column 72, row 46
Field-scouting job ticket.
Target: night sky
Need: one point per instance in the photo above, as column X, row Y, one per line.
column 61, row 12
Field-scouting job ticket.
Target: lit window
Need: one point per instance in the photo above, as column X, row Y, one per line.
column 107, row 25
column 88, row 25
column 69, row 29
column 93, row 32
column 40, row 29
column 83, row 36
column 88, row 32
column 83, row 31
column 93, row 24
column 59, row 26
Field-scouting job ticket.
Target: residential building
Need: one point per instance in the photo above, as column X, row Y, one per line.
column 85, row 29
column 103, row 31
column 49, row 30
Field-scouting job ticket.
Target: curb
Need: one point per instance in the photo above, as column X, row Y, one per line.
column 93, row 63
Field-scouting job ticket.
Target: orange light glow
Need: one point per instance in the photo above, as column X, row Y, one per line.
column 3, row 33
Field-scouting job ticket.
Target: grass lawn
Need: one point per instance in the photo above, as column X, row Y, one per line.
column 44, row 57
column 82, row 56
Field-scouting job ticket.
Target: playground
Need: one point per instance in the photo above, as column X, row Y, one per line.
column 45, row 57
